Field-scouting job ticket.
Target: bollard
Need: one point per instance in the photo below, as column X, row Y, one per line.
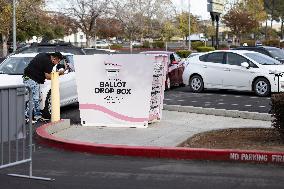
column 55, row 97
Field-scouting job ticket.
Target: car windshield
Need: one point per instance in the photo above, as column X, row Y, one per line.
column 14, row 65
column 262, row 59
column 277, row 53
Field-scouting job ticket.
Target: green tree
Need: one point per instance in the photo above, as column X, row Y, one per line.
column 183, row 24
column 169, row 30
column 5, row 23
column 245, row 17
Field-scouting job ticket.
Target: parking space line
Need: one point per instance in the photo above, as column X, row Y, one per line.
column 253, row 97
column 221, row 103
column 248, row 105
column 237, row 96
column 167, row 99
column 180, row 100
column 193, row 101
column 262, row 106
column 234, row 104
column 223, row 95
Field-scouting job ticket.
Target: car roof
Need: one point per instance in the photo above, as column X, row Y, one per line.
column 157, row 52
column 34, row 54
column 50, row 47
column 234, row 51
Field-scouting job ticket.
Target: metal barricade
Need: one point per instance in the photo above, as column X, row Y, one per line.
column 16, row 145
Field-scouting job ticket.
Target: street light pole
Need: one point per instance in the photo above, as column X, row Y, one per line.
column 189, row 42
column 14, row 26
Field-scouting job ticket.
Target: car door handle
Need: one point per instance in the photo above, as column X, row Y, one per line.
column 227, row 69
column 204, row 66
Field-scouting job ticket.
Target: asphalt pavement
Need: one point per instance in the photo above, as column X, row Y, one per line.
column 218, row 99
column 82, row 170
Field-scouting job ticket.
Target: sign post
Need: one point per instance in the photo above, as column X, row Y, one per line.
column 216, row 8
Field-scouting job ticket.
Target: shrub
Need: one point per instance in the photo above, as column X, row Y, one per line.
column 159, row 44
column 183, row 53
column 205, row 49
column 272, row 42
column 223, row 46
column 233, row 46
column 196, row 44
column 250, row 43
column 116, row 46
column 146, row 44
column 277, row 111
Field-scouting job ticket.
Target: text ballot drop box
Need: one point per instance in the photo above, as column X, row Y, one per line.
column 120, row 90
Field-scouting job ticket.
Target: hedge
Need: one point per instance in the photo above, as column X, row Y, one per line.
column 250, row 43
column 196, row 44
column 205, row 49
column 273, row 42
column 277, row 111
column 183, row 53
column 146, row 44
column 116, row 46
column 158, row 44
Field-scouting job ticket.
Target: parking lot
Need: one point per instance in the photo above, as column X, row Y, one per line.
column 218, row 99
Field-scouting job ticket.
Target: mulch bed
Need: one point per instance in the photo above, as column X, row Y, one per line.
column 242, row 138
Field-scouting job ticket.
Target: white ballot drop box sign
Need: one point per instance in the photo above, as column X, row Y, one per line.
column 115, row 90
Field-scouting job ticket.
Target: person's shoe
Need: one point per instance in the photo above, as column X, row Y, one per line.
column 28, row 120
column 40, row 118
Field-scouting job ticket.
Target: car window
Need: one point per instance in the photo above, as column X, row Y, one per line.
column 276, row 53
column 262, row 51
column 70, row 61
column 216, row 57
column 262, row 59
column 172, row 58
column 15, row 65
column 235, row 59
column 177, row 57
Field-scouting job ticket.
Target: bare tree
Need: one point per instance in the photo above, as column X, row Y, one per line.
column 86, row 12
column 139, row 17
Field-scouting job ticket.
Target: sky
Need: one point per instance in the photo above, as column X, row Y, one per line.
column 197, row 7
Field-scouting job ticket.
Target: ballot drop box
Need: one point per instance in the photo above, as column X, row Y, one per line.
column 120, row 90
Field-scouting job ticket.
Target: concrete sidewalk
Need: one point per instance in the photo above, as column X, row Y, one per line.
column 174, row 128
column 159, row 140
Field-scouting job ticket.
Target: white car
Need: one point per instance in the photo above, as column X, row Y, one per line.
column 102, row 44
column 12, row 69
column 235, row 70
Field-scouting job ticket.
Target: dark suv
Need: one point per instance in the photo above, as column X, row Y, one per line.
column 273, row 52
column 47, row 47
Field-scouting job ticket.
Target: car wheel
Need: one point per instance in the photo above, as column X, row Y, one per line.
column 168, row 84
column 196, row 84
column 46, row 112
column 262, row 87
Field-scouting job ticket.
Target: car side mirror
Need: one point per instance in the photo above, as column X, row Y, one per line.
column 245, row 64
column 174, row 62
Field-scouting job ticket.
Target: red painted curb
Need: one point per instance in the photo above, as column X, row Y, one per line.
column 160, row 152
